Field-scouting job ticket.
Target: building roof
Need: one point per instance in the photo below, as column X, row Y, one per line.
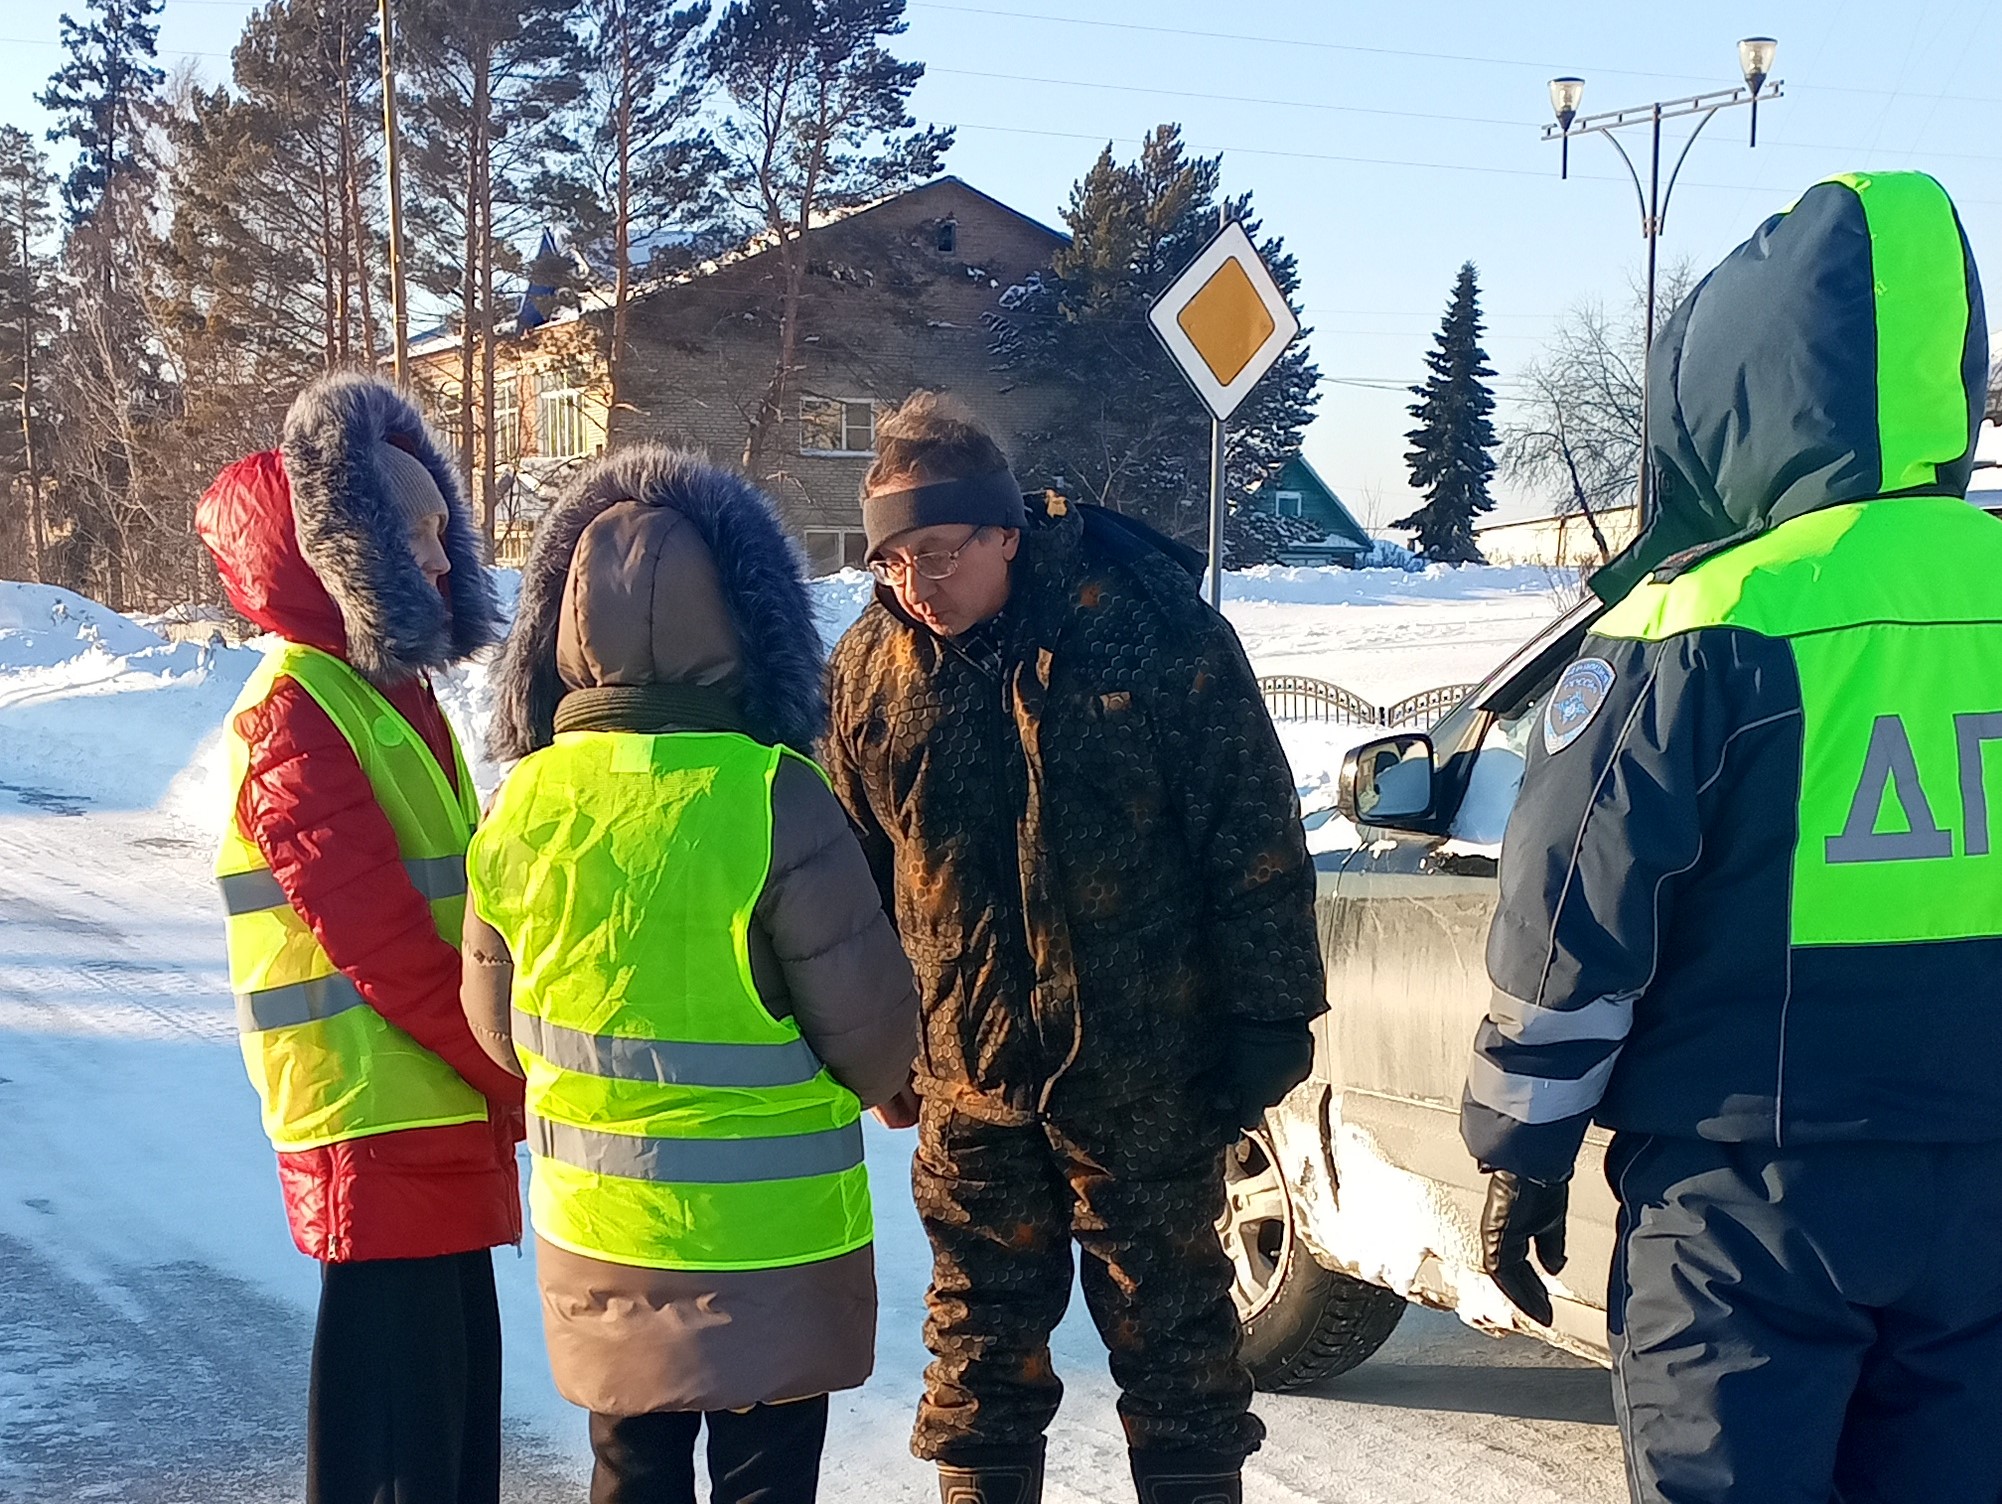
column 1297, row 474
column 597, row 299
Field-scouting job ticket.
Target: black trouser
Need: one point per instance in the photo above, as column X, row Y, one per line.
column 406, row 1389
column 1139, row 1190
column 768, row 1454
column 1795, row 1326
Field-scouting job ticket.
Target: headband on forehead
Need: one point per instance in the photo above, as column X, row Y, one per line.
column 990, row 500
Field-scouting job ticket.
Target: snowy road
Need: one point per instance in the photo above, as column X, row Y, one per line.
column 154, row 1318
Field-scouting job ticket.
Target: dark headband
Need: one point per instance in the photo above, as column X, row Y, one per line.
column 990, row 500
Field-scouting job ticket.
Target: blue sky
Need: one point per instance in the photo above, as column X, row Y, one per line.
column 1391, row 143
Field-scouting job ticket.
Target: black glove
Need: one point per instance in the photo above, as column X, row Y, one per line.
column 1268, row 1058
column 1520, row 1212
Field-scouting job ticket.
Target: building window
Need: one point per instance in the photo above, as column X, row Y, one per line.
column 559, row 416
column 1286, row 503
column 507, row 422
column 837, row 425
column 948, row 235
column 831, row 549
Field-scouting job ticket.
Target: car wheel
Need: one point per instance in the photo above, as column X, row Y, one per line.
column 1302, row 1323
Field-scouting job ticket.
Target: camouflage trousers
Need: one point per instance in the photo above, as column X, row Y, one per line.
column 1139, row 1192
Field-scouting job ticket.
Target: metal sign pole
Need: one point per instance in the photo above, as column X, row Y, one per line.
column 1216, row 513
column 1224, row 321
column 1216, row 471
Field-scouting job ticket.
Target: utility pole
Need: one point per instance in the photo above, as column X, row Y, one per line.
column 397, row 298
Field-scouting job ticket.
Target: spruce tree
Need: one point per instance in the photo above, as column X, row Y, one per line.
column 1130, row 434
column 1452, row 453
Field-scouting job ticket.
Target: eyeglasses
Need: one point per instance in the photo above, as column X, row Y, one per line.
column 937, row 564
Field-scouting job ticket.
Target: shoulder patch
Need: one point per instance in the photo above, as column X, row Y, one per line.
column 1575, row 702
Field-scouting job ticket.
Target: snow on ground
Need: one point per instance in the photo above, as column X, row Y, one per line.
column 154, row 1318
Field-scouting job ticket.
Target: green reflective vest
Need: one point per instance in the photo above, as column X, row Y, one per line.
column 674, row 1123
column 327, row 1066
column 1900, row 674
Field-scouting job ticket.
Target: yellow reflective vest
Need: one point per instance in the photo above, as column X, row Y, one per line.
column 674, row 1123
column 327, row 1066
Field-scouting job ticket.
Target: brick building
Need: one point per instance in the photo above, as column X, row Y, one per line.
column 893, row 300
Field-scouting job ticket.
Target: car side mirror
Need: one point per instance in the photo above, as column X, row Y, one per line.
column 1388, row 781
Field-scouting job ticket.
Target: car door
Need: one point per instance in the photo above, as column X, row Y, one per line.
column 1404, row 925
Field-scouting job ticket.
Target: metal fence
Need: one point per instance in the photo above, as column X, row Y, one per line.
column 1290, row 697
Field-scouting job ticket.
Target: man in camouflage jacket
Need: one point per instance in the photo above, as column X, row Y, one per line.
column 1082, row 820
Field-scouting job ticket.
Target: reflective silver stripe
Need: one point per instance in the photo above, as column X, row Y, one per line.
column 1609, row 1018
column 1536, row 1099
column 299, row 1003
column 253, row 892
column 438, row 876
column 250, row 892
column 668, row 1064
column 698, row 1161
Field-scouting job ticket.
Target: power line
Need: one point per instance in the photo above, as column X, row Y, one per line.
column 1271, row 41
column 1097, row 87
column 1294, row 43
column 1295, row 104
column 163, row 52
column 1310, row 156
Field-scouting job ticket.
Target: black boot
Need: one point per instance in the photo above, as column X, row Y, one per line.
column 994, row 1475
column 1188, row 1478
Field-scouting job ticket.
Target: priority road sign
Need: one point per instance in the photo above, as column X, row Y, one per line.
column 1224, row 321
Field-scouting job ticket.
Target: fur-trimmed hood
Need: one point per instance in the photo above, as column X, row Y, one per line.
column 777, row 673
column 309, row 546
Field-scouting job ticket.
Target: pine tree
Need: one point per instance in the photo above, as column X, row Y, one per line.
column 274, row 249
column 1452, row 453
column 815, row 118
column 493, row 79
column 107, row 381
column 100, row 96
column 1131, row 435
column 26, row 324
column 645, row 162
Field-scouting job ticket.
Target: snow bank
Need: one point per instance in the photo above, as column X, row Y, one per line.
column 100, row 709
column 47, row 627
column 1437, row 583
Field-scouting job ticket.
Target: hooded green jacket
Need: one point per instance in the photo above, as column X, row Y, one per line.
column 1750, row 891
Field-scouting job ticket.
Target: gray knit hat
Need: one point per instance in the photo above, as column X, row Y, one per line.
column 990, row 500
column 407, row 485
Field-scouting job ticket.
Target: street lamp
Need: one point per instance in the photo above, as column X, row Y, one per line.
column 1565, row 93
column 1755, row 60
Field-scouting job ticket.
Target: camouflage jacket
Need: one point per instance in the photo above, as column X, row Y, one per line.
column 1083, row 824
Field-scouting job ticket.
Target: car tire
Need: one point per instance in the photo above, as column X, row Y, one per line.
column 1302, row 1323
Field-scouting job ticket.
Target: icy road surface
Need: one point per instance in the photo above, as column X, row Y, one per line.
column 155, row 1320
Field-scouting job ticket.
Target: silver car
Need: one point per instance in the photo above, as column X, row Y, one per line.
column 1357, row 1196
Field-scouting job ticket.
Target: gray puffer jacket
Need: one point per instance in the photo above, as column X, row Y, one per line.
column 661, row 597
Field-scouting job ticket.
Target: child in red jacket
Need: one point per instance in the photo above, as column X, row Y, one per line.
column 343, row 875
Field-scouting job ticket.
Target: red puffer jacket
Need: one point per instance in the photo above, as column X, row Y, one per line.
column 309, row 808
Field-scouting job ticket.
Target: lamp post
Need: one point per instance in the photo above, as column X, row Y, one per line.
column 1755, row 61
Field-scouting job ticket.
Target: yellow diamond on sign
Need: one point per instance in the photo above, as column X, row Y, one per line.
column 1226, row 321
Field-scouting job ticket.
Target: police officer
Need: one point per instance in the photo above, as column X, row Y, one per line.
column 1751, row 908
